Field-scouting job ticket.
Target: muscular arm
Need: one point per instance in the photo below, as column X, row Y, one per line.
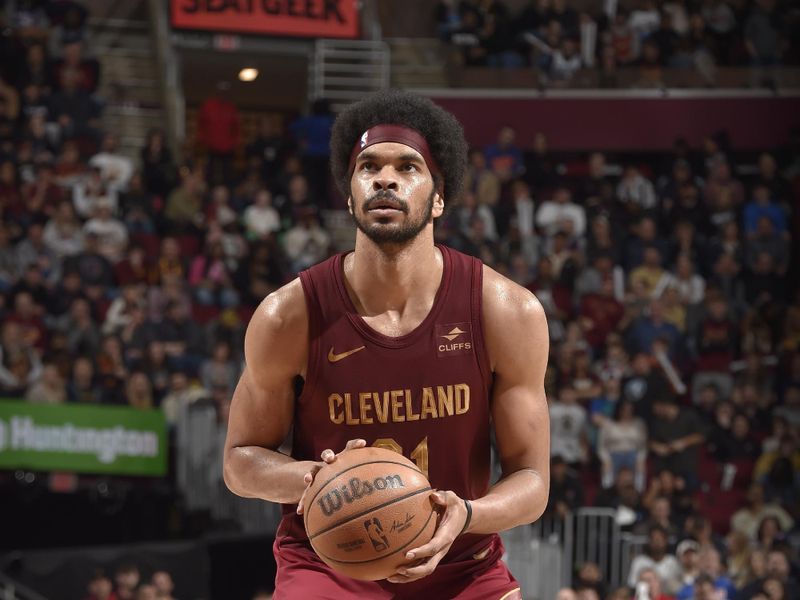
column 517, row 339
column 262, row 408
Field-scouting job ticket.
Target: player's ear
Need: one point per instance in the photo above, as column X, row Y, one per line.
column 438, row 205
column 350, row 204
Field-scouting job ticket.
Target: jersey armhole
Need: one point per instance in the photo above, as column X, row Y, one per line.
column 476, row 308
column 312, row 307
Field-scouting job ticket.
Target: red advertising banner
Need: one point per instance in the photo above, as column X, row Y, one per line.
column 305, row 18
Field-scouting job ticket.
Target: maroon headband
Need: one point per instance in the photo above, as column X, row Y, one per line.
column 394, row 133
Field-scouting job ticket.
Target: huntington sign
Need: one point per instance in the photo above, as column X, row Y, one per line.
column 83, row 439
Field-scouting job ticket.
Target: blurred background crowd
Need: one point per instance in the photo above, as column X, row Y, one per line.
column 669, row 279
column 562, row 40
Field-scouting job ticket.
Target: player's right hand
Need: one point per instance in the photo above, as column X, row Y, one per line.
column 327, row 456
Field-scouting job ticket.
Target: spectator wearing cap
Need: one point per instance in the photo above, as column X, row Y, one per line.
column 687, row 552
column 656, row 557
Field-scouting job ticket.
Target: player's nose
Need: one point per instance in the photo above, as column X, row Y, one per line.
column 385, row 180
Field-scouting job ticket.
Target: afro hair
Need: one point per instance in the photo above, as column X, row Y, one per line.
column 440, row 129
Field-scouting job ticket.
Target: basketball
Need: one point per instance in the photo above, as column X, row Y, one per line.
column 366, row 510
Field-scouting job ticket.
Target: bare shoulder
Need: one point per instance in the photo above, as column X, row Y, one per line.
column 514, row 319
column 277, row 335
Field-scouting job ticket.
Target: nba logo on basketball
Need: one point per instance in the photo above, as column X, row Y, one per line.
column 453, row 339
column 376, row 535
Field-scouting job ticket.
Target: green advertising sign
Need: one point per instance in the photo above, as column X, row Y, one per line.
column 84, row 439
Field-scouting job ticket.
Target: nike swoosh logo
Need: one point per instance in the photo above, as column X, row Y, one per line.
column 337, row 357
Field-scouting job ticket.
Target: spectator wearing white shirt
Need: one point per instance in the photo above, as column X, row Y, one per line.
column 115, row 169
column 566, row 60
column 261, row 218
column 634, row 188
column 90, row 191
column 62, row 233
column 568, row 427
column 111, row 233
column 307, row 242
column 525, row 219
column 558, row 209
column 655, row 557
column 691, row 286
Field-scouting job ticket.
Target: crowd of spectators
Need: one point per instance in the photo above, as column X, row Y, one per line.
column 560, row 37
column 673, row 317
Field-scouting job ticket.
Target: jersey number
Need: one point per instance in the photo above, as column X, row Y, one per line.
column 419, row 455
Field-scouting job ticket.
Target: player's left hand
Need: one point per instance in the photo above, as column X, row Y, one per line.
column 423, row 560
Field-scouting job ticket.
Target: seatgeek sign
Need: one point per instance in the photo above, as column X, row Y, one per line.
column 111, row 440
column 305, row 18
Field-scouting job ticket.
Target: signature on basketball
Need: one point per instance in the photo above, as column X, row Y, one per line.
column 399, row 526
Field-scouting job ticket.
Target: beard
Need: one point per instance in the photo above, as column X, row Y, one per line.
column 393, row 233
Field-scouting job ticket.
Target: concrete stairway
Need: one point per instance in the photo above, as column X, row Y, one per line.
column 129, row 82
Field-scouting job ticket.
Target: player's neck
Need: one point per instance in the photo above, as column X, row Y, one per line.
column 386, row 277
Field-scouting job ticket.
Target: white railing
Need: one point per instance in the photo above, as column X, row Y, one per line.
column 12, row 590
column 343, row 71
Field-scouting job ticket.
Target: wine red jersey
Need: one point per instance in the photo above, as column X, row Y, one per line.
column 424, row 394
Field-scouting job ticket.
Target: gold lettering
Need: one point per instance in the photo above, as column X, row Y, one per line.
column 428, row 404
column 348, row 410
column 382, row 406
column 365, row 406
column 397, row 405
column 442, row 348
column 445, row 400
column 335, row 407
column 462, row 398
column 410, row 414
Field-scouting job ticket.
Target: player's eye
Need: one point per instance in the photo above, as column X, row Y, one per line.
column 409, row 167
column 367, row 166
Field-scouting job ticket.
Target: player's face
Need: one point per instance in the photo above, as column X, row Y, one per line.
column 393, row 197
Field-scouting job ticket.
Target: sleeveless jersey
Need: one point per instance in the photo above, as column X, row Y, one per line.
column 424, row 394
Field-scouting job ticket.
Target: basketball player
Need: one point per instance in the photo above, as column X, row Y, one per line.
column 402, row 344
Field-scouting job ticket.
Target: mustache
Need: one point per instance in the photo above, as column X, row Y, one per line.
column 384, row 195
